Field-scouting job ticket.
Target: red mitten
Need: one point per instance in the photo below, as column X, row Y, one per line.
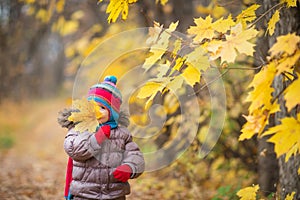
column 123, row 173
column 102, row 134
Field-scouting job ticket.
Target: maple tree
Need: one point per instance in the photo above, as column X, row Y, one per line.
column 220, row 43
column 214, row 42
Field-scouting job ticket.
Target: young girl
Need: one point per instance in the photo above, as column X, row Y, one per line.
column 102, row 162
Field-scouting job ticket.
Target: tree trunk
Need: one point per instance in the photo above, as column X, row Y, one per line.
column 268, row 169
column 289, row 180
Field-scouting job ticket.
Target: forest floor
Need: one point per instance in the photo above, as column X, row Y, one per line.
column 32, row 157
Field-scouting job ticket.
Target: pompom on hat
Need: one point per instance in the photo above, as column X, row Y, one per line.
column 108, row 95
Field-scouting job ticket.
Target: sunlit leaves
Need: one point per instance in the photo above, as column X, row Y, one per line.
column 247, row 15
column 87, row 115
column 236, row 42
column 286, row 137
column 160, row 39
column 251, row 193
column 162, row 2
column 255, row 124
column 224, row 38
column 274, row 19
column 285, row 44
column 290, row 3
column 65, row 27
column 191, row 75
column 248, row 193
column 116, row 8
column 223, row 25
column 43, row 15
column 261, row 105
column 261, row 94
column 205, row 28
column 198, row 59
column 60, row 6
column 150, row 88
column 290, row 196
column 292, row 94
column 284, row 57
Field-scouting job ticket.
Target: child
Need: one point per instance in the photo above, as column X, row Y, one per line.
column 102, row 162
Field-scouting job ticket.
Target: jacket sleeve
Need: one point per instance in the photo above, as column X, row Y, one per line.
column 81, row 146
column 133, row 157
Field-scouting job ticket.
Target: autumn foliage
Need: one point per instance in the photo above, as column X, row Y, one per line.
column 218, row 41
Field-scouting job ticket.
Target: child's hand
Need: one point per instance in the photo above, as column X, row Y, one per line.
column 62, row 118
column 102, row 134
column 123, row 173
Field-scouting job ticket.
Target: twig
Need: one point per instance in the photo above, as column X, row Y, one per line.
column 264, row 14
column 245, row 68
column 210, row 82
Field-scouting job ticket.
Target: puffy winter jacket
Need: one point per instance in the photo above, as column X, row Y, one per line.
column 94, row 164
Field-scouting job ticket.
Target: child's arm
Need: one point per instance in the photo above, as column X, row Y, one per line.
column 134, row 158
column 83, row 146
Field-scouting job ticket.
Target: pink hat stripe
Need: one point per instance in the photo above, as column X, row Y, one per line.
column 107, row 96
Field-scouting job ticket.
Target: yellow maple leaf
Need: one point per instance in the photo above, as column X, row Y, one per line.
column 261, row 94
column 287, row 63
column 255, row 124
column 203, row 29
column 223, row 25
column 198, row 59
column 290, row 3
column 86, row 116
column 248, row 193
column 292, row 94
column 236, row 42
column 290, row 196
column 179, row 63
column 162, row 2
column 247, row 15
column 117, row 7
column 154, row 33
column 191, row 74
column 286, row 137
column 285, row 44
column 158, row 49
column 261, row 105
column 175, row 84
column 150, row 89
column 272, row 23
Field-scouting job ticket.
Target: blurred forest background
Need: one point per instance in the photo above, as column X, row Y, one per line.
column 43, row 44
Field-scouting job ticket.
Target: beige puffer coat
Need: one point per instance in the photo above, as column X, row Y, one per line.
column 94, row 164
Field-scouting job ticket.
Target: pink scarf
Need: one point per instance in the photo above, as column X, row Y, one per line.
column 68, row 178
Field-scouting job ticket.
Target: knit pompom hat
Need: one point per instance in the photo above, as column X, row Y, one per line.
column 108, row 95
